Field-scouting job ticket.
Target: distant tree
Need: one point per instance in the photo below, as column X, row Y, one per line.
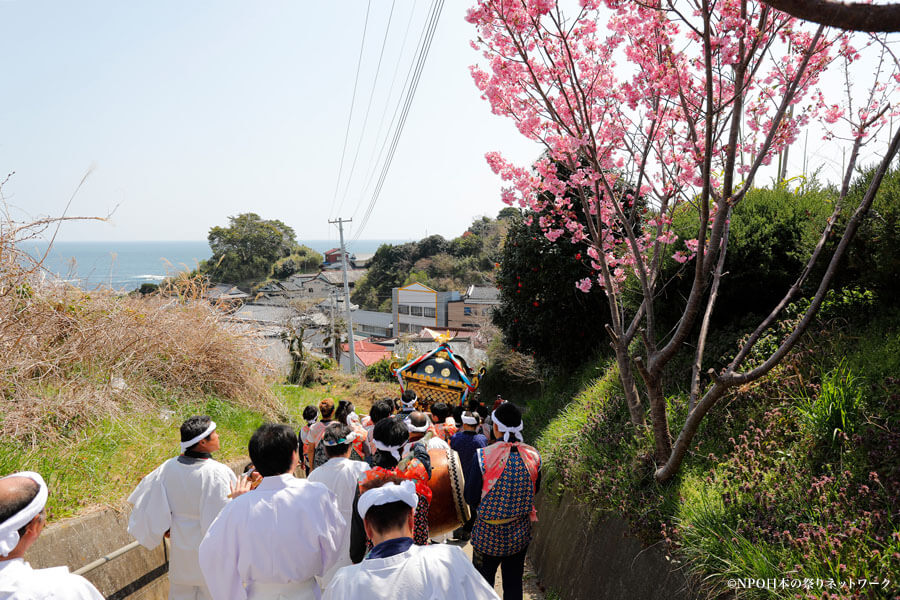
column 510, row 212
column 245, row 251
column 303, row 260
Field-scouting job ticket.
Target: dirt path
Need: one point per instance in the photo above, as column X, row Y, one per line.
column 532, row 590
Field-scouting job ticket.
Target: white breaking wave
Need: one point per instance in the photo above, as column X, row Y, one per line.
column 150, row 277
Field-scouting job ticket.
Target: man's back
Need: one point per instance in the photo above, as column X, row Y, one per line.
column 18, row 581
column 435, row 572
column 192, row 491
column 287, row 530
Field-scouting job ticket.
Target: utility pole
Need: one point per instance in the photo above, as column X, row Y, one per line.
column 334, row 348
column 350, row 344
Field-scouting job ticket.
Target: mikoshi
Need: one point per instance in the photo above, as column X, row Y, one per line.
column 437, row 376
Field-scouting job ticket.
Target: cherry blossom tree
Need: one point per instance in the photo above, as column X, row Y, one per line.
column 684, row 103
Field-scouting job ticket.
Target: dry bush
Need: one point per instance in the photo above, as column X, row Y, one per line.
column 69, row 357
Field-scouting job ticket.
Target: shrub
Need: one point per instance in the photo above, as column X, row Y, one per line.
column 834, row 414
column 380, row 371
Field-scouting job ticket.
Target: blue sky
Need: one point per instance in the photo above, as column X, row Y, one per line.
column 189, row 112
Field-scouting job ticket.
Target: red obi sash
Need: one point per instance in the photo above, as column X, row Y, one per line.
column 492, row 460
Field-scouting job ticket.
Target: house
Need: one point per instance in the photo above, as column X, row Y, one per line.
column 367, row 354
column 297, row 287
column 336, row 277
column 226, row 294
column 332, row 256
column 372, row 323
column 417, row 306
column 473, row 310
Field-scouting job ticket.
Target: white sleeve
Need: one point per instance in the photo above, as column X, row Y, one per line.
column 151, row 517
column 471, row 585
column 216, row 496
column 219, row 559
column 333, row 530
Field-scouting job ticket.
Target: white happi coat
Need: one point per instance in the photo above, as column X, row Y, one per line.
column 341, row 476
column 434, row 443
column 18, row 581
column 273, row 541
column 435, row 572
column 183, row 496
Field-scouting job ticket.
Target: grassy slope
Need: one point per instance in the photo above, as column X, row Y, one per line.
column 100, row 464
column 759, row 495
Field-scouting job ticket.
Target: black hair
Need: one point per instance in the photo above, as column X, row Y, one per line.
column 272, row 447
column 17, row 498
column 472, row 404
column 408, row 396
column 482, row 411
column 440, row 410
column 508, row 414
column 386, row 517
column 457, row 412
column 343, row 410
column 193, row 427
column 333, row 434
column 381, row 409
column 390, row 432
column 310, row 412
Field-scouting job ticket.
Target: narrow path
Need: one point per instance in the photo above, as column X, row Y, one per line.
column 531, row 587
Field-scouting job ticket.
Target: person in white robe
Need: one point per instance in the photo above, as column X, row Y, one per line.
column 340, row 475
column 22, row 499
column 182, row 497
column 273, row 542
column 396, row 568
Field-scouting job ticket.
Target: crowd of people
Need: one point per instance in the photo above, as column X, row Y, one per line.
column 357, row 526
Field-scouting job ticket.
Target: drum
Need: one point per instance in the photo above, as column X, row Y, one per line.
column 448, row 508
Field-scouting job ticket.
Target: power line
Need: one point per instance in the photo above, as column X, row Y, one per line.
column 379, row 152
column 352, row 103
column 432, row 27
column 368, row 108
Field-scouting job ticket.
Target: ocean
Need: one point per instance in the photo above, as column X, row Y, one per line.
column 126, row 265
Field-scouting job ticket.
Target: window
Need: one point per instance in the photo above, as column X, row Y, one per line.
column 403, row 309
column 415, row 311
column 467, row 311
column 428, row 311
column 310, row 290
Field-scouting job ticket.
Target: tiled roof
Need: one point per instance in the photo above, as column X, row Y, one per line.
column 367, row 352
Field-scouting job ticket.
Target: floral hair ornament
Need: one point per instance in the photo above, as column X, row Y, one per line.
column 199, row 438
column 9, row 529
column 517, row 431
column 404, row 492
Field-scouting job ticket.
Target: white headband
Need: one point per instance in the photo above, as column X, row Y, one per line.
column 404, row 492
column 468, row 420
column 352, row 418
column 313, row 420
column 394, row 450
column 411, row 403
column 9, row 529
column 413, row 429
column 199, row 438
column 517, row 431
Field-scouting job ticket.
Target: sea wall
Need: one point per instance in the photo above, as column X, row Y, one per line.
column 584, row 558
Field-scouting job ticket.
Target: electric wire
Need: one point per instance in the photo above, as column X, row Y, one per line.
column 378, row 152
column 423, row 55
column 362, row 134
column 362, row 45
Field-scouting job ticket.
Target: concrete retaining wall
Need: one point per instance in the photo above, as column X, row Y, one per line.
column 583, row 558
column 139, row 574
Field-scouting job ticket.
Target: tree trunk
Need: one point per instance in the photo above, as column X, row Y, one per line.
column 660, row 422
column 626, row 376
